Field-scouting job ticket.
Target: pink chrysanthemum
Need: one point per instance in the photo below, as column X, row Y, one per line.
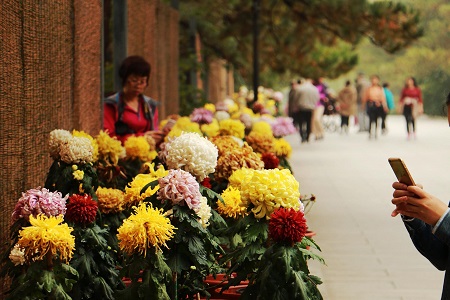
column 287, row 225
column 271, row 161
column 181, row 188
column 202, row 116
column 39, row 201
column 283, row 126
column 81, row 210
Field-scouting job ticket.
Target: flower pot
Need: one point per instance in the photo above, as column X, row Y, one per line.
column 234, row 292
column 215, row 283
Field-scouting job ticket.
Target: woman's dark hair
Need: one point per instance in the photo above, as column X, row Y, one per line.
column 448, row 99
column 134, row 65
column 414, row 82
column 385, row 85
column 347, row 83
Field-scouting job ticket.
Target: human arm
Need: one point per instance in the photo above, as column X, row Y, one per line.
column 109, row 119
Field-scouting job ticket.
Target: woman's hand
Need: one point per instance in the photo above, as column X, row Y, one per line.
column 156, row 135
column 413, row 201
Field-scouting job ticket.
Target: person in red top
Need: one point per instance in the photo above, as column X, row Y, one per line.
column 411, row 105
column 129, row 112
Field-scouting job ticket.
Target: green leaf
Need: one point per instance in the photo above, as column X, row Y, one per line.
column 47, row 281
column 151, row 185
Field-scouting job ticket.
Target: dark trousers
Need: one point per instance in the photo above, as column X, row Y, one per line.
column 344, row 120
column 304, row 123
column 374, row 112
column 410, row 122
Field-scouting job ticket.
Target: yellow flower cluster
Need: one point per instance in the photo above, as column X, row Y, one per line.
column 232, row 127
column 138, row 147
column 47, row 235
column 237, row 158
column 224, row 143
column 211, row 107
column 93, row 142
column 184, row 124
column 78, row 174
column 282, row 148
column 262, row 127
column 146, row 227
column 212, row 129
column 260, row 142
column 109, row 149
column 133, row 191
column 232, row 206
column 110, row 200
column 270, row 189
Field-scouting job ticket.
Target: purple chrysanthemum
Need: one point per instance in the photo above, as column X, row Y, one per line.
column 39, row 201
column 283, row 126
column 202, row 116
column 180, row 187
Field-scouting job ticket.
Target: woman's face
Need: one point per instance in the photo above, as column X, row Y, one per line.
column 375, row 80
column 135, row 85
column 410, row 82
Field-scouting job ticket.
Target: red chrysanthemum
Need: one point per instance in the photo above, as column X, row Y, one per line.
column 81, row 210
column 206, row 182
column 271, row 161
column 287, row 225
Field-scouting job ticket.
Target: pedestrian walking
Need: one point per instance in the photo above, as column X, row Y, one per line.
column 346, row 100
column 317, row 126
column 361, row 119
column 427, row 220
column 411, row 105
column 292, row 107
column 306, row 97
column 375, row 102
column 390, row 104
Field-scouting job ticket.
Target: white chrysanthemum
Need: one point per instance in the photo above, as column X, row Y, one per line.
column 192, row 153
column 17, row 255
column 77, row 150
column 57, row 138
column 221, row 115
column 203, row 211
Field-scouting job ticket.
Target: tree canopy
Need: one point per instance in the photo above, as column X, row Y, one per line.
column 308, row 37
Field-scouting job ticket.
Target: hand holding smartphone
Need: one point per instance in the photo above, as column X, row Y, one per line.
column 401, row 171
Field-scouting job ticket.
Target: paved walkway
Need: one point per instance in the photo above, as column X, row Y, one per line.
column 368, row 253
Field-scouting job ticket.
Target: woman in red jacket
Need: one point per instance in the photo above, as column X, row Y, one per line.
column 411, row 105
column 129, row 112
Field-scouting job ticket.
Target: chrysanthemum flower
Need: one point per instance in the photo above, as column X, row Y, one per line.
column 282, row 148
column 58, row 137
column 203, row 212
column 283, row 126
column 181, row 188
column 240, row 177
column 262, row 127
column 206, row 182
column 225, row 143
column 237, row 158
column 201, row 116
column 39, row 201
column 81, row 210
column 246, row 119
column 90, row 138
column 17, row 255
column 110, row 149
column 270, row 189
column 287, row 226
column 192, row 153
column 78, row 150
column 221, row 115
column 211, row 107
column 271, row 161
column 138, row 147
column 78, row 174
column 184, row 124
column 260, row 142
column 232, row 127
column 110, row 200
column 232, row 206
column 146, row 227
column 47, row 235
column 212, row 129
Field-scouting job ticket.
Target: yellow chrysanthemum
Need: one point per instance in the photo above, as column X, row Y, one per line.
column 211, row 107
column 110, row 200
column 232, row 108
column 225, row 143
column 262, row 127
column 133, row 190
column 110, row 149
column 138, row 147
column 240, row 177
column 232, row 206
column 282, row 148
column 78, row 174
column 237, row 158
column 93, row 142
column 232, row 127
column 271, row 189
column 184, row 124
column 248, row 111
column 47, row 235
column 146, row 227
column 211, row 129
column 260, row 142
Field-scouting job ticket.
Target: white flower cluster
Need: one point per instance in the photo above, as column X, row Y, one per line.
column 203, row 211
column 70, row 149
column 17, row 255
column 192, row 153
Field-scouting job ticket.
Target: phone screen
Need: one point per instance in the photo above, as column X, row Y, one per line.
column 401, row 172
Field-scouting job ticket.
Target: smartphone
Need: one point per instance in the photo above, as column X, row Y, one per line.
column 401, row 171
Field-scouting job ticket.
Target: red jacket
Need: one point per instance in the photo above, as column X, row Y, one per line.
column 137, row 123
column 414, row 92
